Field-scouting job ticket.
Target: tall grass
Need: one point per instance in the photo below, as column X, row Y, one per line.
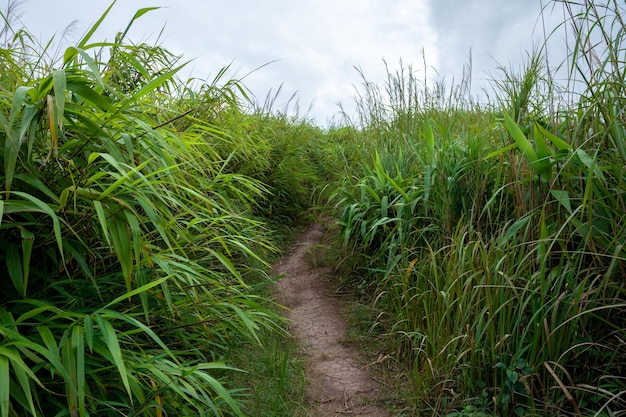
column 127, row 243
column 492, row 238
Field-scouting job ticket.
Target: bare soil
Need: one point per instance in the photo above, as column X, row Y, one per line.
column 338, row 381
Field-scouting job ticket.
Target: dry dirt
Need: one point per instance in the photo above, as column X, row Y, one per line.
column 338, row 382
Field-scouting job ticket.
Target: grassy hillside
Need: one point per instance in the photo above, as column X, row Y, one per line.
column 139, row 213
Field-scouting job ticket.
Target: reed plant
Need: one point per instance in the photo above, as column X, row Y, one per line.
column 491, row 238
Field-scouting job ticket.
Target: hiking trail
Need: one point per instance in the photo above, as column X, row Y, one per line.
column 338, row 383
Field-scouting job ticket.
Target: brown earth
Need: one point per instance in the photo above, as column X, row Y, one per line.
column 338, row 382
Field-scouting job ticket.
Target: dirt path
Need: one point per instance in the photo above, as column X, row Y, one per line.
column 338, row 383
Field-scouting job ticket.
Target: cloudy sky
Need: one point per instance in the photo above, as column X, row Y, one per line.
column 313, row 47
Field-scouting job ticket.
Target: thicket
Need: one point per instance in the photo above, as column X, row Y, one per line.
column 491, row 236
column 138, row 212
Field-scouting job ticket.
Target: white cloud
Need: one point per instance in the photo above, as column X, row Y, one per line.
column 316, row 44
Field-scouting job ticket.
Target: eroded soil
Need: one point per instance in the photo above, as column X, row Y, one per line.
column 338, row 382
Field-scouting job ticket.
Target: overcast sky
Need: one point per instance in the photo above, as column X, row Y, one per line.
column 314, row 46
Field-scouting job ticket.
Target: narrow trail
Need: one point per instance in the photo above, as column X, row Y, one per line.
column 338, row 383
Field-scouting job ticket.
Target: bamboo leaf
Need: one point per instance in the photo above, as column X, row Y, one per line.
column 86, row 92
column 124, row 178
column 60, row 90
column 136, row 291
column 113, row 344
column 24, row 380
column 91, row 63
column 19, row 100
column 45, row 208
column 78, row 344
column 22, row 371
column 123, row 248
column 228, row 265
column 5, row 393
column 137, row 15
column 136, row 323
column 501, row 151
column 102, row 218
column 590, row 163
column 28, row 238
column 14, row 268
column 88, row 326
column 90, row 32
column 151, row 86
column 543, row 152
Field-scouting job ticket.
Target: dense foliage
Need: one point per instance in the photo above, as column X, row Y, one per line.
column 138, row 212
column 134, row 209
column 491, row 237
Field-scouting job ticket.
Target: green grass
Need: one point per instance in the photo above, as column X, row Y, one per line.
column 139, row 214
column 129, row 239
column 491, row 238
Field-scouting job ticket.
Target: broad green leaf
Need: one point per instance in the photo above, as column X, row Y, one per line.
column 28, row 238
column 21, row 370
column 14, row 268
column 136, row 291
column 514, row 229
column 562, row 196
column 102, row 218
column 53, row 121
column 19, row 100
column 590, row 163
column 137, row 15
column 501, row 151
column 91, row 64
column 86, row 92
column 123, row 248
column 60, row 90
column 110, row 338
column 149, row 87
column 518, row 136
column 48, row 339
column 45, row 208
column 543, row 152
column 24, row 380
column 78, row 344
column 556, row 141
column 39, row 185
column 90, row 32
column 124, row 178
column 136, row 323
column 68, row 357
column 5, row 385
column 228, row 264
column 88, row 325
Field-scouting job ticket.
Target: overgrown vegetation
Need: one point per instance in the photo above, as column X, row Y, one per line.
column 133, row 228
column 492, row 237
column 139, row 213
